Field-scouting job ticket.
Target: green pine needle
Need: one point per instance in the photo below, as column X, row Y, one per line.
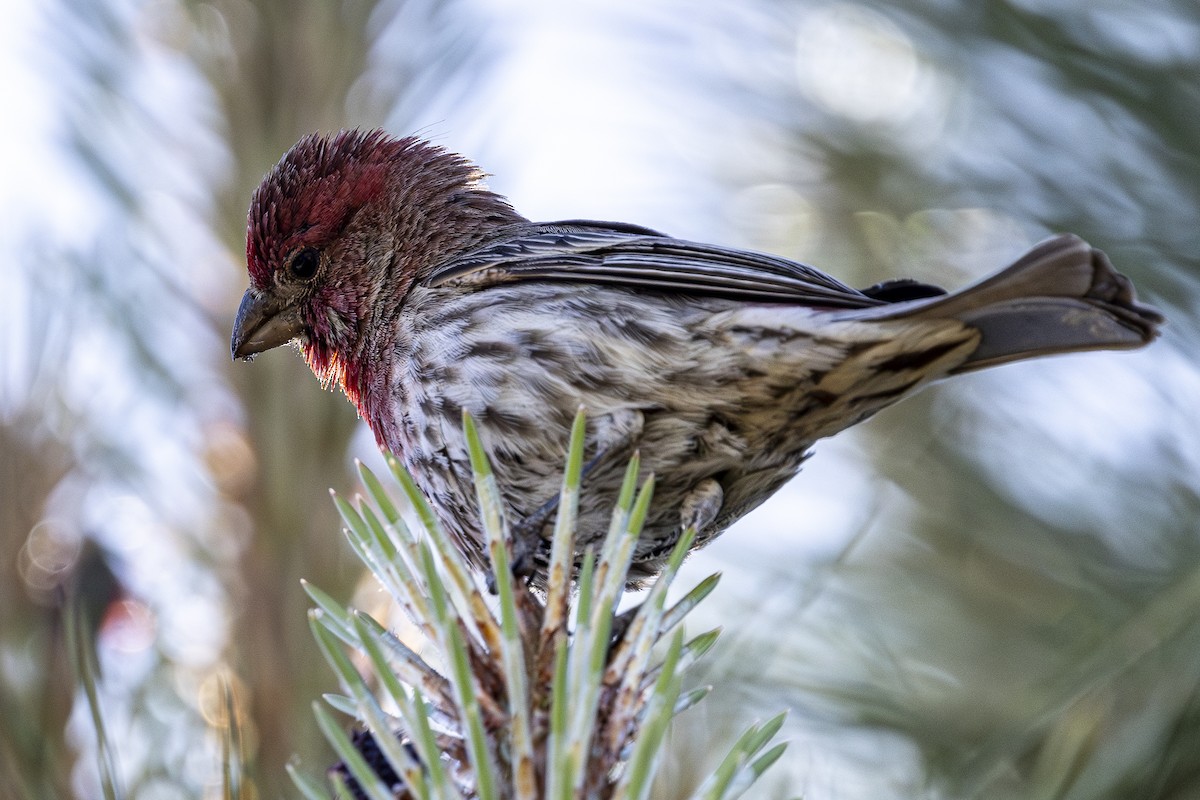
column 81, row 648
column 522, row 704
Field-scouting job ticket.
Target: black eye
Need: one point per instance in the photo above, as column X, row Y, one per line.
column 304, row 265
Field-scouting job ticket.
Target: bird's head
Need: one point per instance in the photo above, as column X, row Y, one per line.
column 340, row 229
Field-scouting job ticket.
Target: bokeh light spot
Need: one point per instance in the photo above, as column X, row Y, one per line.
column 50, row 550
column 857, row 64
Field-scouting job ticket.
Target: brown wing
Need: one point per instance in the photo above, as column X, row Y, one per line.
column 642, row 259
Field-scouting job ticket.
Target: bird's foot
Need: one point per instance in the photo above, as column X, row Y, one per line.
column 701, row 505
column 526, row 540
column 530, row 545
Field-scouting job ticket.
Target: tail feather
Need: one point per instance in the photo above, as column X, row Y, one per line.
column 1062, row 296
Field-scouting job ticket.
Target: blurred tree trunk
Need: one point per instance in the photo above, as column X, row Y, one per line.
column 123, row 76
column 37, row 691
column 289, row 70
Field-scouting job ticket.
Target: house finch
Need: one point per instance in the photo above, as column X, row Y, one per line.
column 421, row 293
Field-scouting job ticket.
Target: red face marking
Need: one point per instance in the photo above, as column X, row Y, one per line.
column 310, row 195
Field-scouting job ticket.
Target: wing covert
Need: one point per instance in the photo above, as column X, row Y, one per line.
column 642, row 259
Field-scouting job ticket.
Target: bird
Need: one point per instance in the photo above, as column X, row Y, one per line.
column 420, row 293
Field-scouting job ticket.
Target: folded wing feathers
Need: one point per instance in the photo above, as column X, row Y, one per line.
column 649, row 262
column 1062, row 295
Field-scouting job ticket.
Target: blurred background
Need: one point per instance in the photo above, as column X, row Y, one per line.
column 990, row 591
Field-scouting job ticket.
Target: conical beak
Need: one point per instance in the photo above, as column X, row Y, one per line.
column 262, row 324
